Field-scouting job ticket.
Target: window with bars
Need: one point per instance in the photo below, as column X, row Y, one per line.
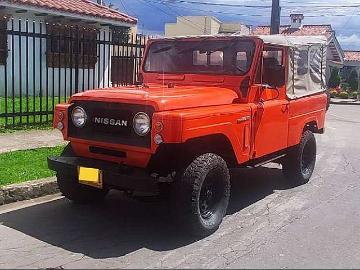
column 3, row 42
column 120, row 34
column 69, row 46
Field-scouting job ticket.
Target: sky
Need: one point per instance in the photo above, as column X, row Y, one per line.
column 343, row 15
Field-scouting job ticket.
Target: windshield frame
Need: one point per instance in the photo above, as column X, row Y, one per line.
column 201, row 39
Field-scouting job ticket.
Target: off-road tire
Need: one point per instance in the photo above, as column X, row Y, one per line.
column 75, row 192
column 207, row 176
column 299, row 163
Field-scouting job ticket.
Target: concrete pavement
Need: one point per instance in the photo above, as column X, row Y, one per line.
column 22, row 140
column 268, row 225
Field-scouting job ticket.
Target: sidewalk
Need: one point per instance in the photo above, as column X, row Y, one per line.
column 23, row 140
column 341, row 101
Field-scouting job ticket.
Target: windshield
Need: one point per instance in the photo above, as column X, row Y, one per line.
column 232, row 57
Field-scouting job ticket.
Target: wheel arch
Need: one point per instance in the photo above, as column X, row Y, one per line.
column 171, row 157
column 297, row 127
column 313, row 126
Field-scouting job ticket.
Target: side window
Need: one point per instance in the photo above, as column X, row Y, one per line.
column 273, row 71
column 3, row 42
column 273, row 56
column 303, row 62
column 64, row 48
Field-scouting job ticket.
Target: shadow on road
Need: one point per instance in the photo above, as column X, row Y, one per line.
column 121, row 225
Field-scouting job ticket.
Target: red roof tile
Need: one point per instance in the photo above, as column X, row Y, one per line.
column 305, row 30
column 81, row 7
column 352, row 55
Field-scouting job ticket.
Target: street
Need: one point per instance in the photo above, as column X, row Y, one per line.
column 268, row 224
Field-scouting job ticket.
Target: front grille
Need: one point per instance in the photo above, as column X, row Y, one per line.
column 97, row 128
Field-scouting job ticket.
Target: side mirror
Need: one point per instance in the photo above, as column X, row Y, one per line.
column 268, row 93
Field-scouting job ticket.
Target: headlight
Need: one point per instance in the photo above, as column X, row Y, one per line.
column 78, row 117
column 141, row 124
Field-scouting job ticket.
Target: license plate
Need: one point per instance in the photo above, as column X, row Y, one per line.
column 90, row 176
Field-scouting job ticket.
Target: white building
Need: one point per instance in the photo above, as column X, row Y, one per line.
column 203, row 25
column 55, row 47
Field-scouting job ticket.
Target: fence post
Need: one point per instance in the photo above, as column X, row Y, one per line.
column 77, row 54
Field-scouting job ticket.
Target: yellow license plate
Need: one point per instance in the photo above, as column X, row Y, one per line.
column 90, row 176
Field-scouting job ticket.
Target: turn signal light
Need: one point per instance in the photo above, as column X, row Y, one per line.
column 60, row 126
column 61, row 116
column 158, row 139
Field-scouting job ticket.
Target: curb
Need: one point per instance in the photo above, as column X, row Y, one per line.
column 28, row 190
column 344, row 103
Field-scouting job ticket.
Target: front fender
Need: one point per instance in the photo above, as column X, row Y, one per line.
column 233, row 121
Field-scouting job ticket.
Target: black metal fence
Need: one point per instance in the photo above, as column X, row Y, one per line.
column 43, row 64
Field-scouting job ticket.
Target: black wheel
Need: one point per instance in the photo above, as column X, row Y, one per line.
column 299, row 163
column 203, row 194
column 72, row 190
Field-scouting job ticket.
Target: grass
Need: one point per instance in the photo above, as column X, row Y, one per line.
column 26, row 165
column 24, row 105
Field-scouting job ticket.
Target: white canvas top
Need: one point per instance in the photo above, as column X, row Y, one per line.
column 293, row 41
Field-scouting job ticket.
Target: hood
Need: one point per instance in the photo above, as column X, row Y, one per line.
column 163, row 98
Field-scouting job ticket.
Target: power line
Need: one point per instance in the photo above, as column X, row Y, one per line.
column 255, row 6
column 123, row 6
column 214, row 4
column 249, row 15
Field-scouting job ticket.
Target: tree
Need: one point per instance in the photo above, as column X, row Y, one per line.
column 353, row 81
column 334, row 79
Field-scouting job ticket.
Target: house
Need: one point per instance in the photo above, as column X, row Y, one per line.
column 203, row 25
column 53, row 47
column 335, row 57
column 351, row 63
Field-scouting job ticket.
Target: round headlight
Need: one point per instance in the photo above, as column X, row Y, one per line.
column 78, row 117
column 141, row 124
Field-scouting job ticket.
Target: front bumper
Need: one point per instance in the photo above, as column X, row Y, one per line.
column 114, row 175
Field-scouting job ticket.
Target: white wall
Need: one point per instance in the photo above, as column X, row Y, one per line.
column 188, row 25
column 32, row 69
column 202, row 25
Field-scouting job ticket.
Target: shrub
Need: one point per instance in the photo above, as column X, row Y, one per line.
column 344, row 95
column 333, row 93
column 344, row 86
column 353, row 80
column 353, row 95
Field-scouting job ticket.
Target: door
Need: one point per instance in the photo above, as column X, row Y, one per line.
column 271, row 115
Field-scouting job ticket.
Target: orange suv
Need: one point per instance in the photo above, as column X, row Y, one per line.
column 205, row 104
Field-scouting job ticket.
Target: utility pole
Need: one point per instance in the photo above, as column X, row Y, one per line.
column 275, row 17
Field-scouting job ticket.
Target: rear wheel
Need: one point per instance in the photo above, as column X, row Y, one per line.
column 203, row 194
column 73, row 190
column 299, row 164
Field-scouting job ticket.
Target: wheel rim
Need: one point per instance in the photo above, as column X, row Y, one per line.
column 308, row 157
column 211, row 195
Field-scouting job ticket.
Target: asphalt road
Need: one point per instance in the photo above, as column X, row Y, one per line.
column 268, row 225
